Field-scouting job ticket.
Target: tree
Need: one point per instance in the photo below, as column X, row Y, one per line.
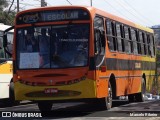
column 6, row 15
column 7, row 18
column 3, row 4
column 158, row 58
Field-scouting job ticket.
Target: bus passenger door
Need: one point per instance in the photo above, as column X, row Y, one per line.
column 99, row 44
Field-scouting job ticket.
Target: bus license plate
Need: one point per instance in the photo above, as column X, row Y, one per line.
column 50, row 90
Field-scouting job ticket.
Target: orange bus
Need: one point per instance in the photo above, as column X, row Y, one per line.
column 79, row 53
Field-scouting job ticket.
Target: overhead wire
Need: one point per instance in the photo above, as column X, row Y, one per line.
column 118, row 10
column 138, row 19
column 69, row 2
column 24, row 3
column 138, row 12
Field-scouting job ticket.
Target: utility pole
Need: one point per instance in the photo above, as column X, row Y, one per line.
column 17, row 6
column 91, row 2
column 43, row 3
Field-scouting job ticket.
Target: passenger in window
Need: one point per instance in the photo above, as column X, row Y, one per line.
column 44, row 47
column 30, row 42
column 54, row 43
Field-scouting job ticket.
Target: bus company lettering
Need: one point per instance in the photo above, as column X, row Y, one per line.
column 60, row 16
column 30, row 18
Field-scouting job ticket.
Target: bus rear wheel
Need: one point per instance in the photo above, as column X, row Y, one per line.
column 140, row 96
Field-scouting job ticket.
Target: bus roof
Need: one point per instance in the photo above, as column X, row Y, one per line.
column 122, row 20
column 95, row 11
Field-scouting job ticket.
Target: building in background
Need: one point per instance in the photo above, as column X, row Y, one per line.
column 156, row 29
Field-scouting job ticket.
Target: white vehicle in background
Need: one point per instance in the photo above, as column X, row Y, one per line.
column 156, row 97
column 6, row 75
column 148, row 96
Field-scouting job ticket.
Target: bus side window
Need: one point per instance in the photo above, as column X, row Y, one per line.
column 152, row 45
column 119, row 36
column 141, row 42
column 144, row 43
column 126, row 36
column 154, row 48
column 138, row 42
column 133, row 36
column 111, row 35
column 97, row 42
column 148, row 44
column 130, row 41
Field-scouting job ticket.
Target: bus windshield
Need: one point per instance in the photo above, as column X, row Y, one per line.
column 53, row 46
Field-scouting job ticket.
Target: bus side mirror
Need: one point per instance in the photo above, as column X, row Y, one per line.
column 5, row 40
column 1, row 44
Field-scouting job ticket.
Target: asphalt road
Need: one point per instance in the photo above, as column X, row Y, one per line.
column 149, row 110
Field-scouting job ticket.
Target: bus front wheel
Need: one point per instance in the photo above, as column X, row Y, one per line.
column 106, row 103
column 11, row 100
column 109, row 98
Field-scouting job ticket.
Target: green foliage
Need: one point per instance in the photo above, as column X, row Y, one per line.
column 158, row 58
column 6, row 17
column 3, row 4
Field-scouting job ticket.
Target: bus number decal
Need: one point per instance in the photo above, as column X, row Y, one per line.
column 137, row 65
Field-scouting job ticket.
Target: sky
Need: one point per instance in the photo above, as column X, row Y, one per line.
column 143, row 12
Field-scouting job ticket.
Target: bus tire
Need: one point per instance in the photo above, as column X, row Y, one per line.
column 12, row 95
column 109, row 98
column 140, row 96
column 11, row 100
column 131, row 98
column 45, row 106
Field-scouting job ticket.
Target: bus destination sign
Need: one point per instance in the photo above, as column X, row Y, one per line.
column 49, row 16
column 55, row 15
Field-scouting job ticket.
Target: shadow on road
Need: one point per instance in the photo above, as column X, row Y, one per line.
column 78, row 110
column 3, row 104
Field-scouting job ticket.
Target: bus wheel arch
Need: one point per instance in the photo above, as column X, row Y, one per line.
column 140, row 97
column 111, row 91
column 144, row 78
column 112, row 81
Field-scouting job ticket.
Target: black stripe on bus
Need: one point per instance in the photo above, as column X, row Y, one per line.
column 130, row 76
column 120, row 64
